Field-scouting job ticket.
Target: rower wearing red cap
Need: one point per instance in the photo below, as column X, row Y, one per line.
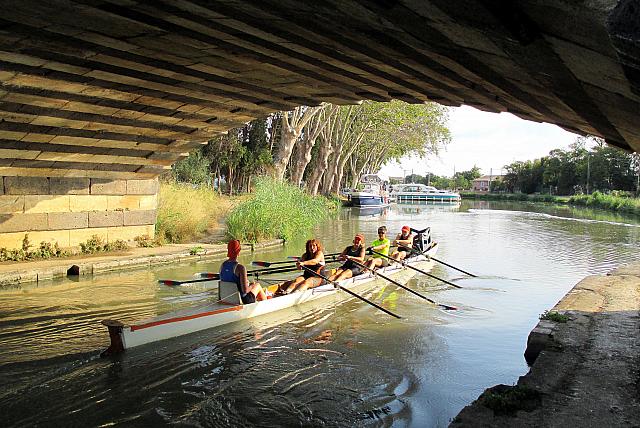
column 350, row 254
column 232, row 271
column 403, row 239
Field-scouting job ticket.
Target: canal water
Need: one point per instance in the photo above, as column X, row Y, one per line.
column 340, row 363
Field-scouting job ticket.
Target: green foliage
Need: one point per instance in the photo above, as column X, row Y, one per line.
column 515, row 197
column 577, row 170
column 554, row 316
column 461, row 180
column 117, row 245
column 507, row 400
column 277, row 210
column 608, row 202
column 44, row 251
column 194, row 169
column 96, row 244
column 195, row 250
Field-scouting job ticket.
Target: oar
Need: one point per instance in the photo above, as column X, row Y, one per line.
column 447, row 307
column 267, row 264
column 440, row 261
column 417, row 270
column 211, row 277
column 453, row 267
column 337, row 285
column 293, row 260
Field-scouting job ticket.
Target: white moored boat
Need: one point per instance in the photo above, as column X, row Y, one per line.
column 227, row 308
column 372, row 193
column 412, row 193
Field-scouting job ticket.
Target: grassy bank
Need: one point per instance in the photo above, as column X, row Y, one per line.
column 608, row 202
column 186, row 213
column 515, row 197
column 595, row 200
column 278, row 210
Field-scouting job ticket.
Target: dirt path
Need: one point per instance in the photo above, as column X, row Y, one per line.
column 588, row 374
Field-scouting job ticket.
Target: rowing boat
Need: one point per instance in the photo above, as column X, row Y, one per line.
column 227, row 309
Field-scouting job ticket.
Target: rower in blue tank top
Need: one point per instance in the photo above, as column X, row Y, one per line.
column 232, row 271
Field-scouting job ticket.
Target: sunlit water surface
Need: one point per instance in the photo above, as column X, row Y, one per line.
column 338, row 363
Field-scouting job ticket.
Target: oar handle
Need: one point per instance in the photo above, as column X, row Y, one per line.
column 337, row 285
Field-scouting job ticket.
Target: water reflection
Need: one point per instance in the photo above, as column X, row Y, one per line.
column 339, row 363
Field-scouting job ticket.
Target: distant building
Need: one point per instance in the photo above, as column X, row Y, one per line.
column 396, row 180
column 481, row 184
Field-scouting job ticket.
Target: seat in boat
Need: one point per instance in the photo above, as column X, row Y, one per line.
column 228, row 293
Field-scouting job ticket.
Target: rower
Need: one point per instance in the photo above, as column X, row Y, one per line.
column 313, row 259
column 350, row 254
column 404, row 241
column 380, row 245
column 232, row 272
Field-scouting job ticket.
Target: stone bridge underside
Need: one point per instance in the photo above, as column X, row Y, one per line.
column 120, row 89
column 123, row 88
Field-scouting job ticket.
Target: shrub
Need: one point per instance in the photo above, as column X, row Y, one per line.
column 554, row 316
column 145, row 241
column 277, row 210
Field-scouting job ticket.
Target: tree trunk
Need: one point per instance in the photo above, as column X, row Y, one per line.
column 330, row 176
column 301, row 159
column 292, row 125
column 305, row 146
column 283, row 153
column 315, row 178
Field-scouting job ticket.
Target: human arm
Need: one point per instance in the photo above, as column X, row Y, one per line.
column 318, row 259
column 241, row 271
column 405, row 242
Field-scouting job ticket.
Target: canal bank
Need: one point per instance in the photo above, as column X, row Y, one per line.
column 584, row 368
column 15, row 274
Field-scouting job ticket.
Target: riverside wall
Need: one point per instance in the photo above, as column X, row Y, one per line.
column 71, row 210
column 584, row 371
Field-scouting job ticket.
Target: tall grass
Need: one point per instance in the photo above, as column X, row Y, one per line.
column 608, row 202
column 277, row 210
column 185, row 212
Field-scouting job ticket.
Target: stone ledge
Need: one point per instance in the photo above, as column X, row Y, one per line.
column 15, row 278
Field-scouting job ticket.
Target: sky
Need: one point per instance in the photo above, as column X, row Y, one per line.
column 488, row 140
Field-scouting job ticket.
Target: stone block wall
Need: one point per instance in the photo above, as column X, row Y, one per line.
column 71, row 210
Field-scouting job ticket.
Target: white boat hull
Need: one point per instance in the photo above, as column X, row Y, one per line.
column 216, row 314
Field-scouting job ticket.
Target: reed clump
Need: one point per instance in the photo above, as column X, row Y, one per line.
column 277, row 210
column 613, row 202
column 186, row 211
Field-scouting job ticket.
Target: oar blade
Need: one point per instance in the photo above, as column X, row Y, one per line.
column 261, row 264
column 447, row 307
column 169, row 282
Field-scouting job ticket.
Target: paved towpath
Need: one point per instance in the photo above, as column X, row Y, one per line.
column 588, row 372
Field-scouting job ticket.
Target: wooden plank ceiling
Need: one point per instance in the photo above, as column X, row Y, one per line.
column 124, row 88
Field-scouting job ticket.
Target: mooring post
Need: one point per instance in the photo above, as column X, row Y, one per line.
column 115, row 334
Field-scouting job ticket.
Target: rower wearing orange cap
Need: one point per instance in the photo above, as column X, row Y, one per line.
column 232, row 271
column 351, row 254
column 403, row 241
